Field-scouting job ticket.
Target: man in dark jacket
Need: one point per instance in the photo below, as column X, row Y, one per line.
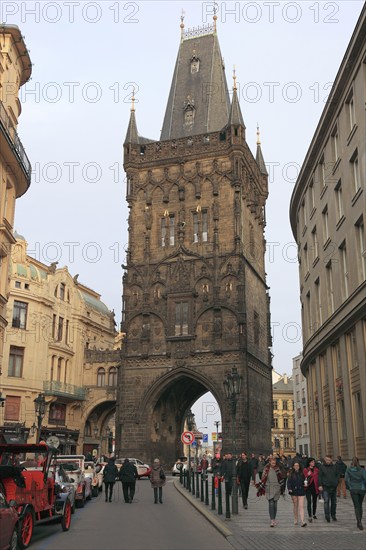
column 341, row 467
column 110, row 474
column 328, row 482
column 243, row 473
column 128, row 475
column 228, row 472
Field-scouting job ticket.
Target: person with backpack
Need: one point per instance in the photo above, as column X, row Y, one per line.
column 157, row 480
column 110, row 474
column 128, row 475
column 341, row 467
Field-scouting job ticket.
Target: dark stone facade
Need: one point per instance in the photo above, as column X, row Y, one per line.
column 195, row 300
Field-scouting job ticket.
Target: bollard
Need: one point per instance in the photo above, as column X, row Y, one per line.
column 202, row 489
column 189, row 480
column 184, row 479
column 193, row 484
column 213, row 500
column 219, row 499
column 227, row 503
column 181, row 476
column 206, row 486
column 197, row 485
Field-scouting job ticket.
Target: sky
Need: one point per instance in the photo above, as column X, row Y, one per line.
column 88, row 57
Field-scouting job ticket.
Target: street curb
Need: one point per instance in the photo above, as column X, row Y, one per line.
column 216, row 523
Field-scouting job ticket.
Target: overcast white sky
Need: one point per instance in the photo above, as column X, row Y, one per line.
column 87, row 58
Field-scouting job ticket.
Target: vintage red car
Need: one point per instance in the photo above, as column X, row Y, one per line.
column 9, row 526
column 27, row 475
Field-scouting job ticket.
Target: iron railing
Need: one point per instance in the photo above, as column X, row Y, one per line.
column 53, row 387
column 12, row 135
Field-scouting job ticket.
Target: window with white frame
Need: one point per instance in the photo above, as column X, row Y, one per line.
column 344, row 269
column 361, row 246
column 330, row 288
column 325, row 220
column 339, row 200
column 355, row 172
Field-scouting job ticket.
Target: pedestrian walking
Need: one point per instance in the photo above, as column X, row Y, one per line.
column 128, row 475
column 296, row 489
column 110, row 474
column 341, row 467
column 204, row 464
column 243, row 474
column 261, row 465
column 254, row 467
column 272, row 485
column 228, row 472
column 157, row 480
column 355, row 478
column 311, row 474
column 328, row 483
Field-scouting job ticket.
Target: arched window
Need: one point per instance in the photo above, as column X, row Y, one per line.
column 87, row 429
column 59, row 367
column 101, row 377
column 112, row 376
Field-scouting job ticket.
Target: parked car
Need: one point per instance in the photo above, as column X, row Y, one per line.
column 8, row 522
column 143, row 470
column 90, row 471
column 66, row 485
column 30, row 487
column 74, row 466
column 100, row 472
column 180, row 465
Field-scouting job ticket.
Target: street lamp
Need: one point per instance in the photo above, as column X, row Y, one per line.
column 232, row 387
column 40, row 406
column 190, row 421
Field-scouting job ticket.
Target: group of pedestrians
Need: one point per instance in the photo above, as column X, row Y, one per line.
column 306, row 479
column 128, row 475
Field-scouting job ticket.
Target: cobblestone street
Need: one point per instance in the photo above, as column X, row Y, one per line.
column 250, row 529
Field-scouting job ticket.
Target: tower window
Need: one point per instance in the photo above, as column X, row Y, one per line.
column 167, row 230
column 181, row 319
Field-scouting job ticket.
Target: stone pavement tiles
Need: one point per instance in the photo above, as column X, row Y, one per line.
column 251, row 530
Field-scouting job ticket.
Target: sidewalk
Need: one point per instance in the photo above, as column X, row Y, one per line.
column 250, row 529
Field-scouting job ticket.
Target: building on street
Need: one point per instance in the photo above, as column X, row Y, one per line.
column 283, row 430
column 327, row 215
column 302, row 432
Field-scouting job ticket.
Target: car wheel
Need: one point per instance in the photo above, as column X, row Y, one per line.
column 89, row 495
column 66, row 518
column 14, row 540
column 26, row 530
column 81, row 503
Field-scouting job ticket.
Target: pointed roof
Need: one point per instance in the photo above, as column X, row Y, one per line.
column 235, row 118
column 132, row 135
column 259, row 156
column 198, row 101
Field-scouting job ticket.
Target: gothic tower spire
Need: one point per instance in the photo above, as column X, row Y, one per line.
column 198, row 101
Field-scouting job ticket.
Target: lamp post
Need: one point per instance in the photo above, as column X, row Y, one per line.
column 40, row 406
column 232, row 387
column 217, row 423
column 190, row 421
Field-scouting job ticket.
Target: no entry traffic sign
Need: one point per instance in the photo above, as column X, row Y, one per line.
column 187, row 438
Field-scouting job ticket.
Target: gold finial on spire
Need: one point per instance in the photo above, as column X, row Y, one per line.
column 182, row 23
column 215, row 16
column 234, row 78
column 133, row 101
column 258, row 139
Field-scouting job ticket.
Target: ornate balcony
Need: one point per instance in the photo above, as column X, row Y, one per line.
column 68, row 391
column 9, row 140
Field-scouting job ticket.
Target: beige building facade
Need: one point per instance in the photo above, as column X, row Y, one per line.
column 56, row 328
column 15, row 167
column 283, row 430
column 302, row 430
column 328, row 211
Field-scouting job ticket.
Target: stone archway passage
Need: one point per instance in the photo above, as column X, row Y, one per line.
column 156, row 426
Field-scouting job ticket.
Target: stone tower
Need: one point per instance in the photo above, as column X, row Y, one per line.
column 195, row 299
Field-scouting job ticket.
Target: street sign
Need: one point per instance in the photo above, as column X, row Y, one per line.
column 205, row 438
column 194, row 444
column 187, row 438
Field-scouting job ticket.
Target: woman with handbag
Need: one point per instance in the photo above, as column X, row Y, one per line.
column 272, row 484
column 157, row 480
